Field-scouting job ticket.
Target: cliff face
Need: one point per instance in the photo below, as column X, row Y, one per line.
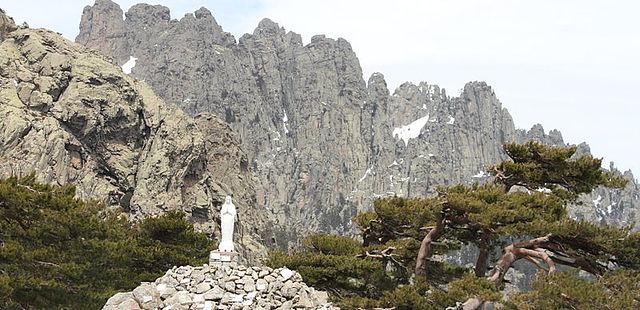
column 322, row 142
column 70, row 116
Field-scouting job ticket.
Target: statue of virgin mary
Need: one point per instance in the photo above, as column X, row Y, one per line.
column 227, row 220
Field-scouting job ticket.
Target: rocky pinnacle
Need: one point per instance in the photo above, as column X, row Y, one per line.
column 322, row 142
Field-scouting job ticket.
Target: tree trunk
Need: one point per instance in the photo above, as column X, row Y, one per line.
column 518, row 250
column 512, row 253
column 483, row 255
column 425, row 248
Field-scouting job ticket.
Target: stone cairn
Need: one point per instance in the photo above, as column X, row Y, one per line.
column 223, row 285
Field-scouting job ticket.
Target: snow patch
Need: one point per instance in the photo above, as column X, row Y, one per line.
column 411, row 131
column 126, row 68
column 428, row 155
column 451, row 120
column 366, row 173
column 394, row 163
column 481, row 174
column 610, row 208
column 285, row 119
column 543, row 190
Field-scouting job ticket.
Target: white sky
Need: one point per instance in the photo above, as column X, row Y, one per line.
column 573, row 65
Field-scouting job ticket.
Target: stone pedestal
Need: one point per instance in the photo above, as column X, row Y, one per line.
column 219, row 257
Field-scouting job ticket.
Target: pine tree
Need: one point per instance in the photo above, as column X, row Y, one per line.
column 526, row 200
column 60, row 252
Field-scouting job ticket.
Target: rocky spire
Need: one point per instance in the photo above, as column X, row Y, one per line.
column 102, row 28
column 6, row 25
column 322, row 142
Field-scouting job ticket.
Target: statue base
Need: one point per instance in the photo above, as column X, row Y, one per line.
column 217, row 257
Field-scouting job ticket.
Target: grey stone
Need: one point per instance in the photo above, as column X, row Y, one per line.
column 248, row 284
column 230, row 286
column 215, row 293
column 289, row 289
column 202, row 287
column 182, row 298
column 262, row 285
column 147, row 296
column 165, row 290
column 269, row 278
column 121, row 301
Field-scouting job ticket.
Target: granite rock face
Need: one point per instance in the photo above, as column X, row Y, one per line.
column 70, row 116
column 323, row 142
column 6, row 25
column 223, row 286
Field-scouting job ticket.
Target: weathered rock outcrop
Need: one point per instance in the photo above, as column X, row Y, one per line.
column 218, row 286
column 70, row 116
column 322, row 141
column 6, row 25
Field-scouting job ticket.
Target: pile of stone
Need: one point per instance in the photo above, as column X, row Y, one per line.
column 223, row 286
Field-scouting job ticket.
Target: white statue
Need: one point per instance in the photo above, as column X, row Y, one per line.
column 227, row 220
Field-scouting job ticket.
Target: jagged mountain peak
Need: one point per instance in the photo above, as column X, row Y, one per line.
column 6, row 24
column 323, row 141
column 267, row 26
column 148, row 15
column 377, row 83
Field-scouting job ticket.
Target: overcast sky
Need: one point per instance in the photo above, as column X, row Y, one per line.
column 572, row 65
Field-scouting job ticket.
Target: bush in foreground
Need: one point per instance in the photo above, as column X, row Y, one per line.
column 60, row 252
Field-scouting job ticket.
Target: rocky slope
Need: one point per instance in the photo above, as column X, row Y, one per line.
column 70, row 116
column 322, row 141
column 218, row 286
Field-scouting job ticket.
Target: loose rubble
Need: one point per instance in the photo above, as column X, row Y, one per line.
column 223, row 286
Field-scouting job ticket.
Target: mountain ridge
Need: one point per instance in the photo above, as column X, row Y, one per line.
column 323, row 141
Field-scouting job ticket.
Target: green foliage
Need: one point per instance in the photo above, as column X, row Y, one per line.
column 338, row 265
column 395, row 215
column 332, row 245
column 527, row 197
column 407, row 297
column 60, row 252
column 617, row 290
column 332, row 265
column 535, row 165
column 424, row 296
column 470, row 286
column 495, row 209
